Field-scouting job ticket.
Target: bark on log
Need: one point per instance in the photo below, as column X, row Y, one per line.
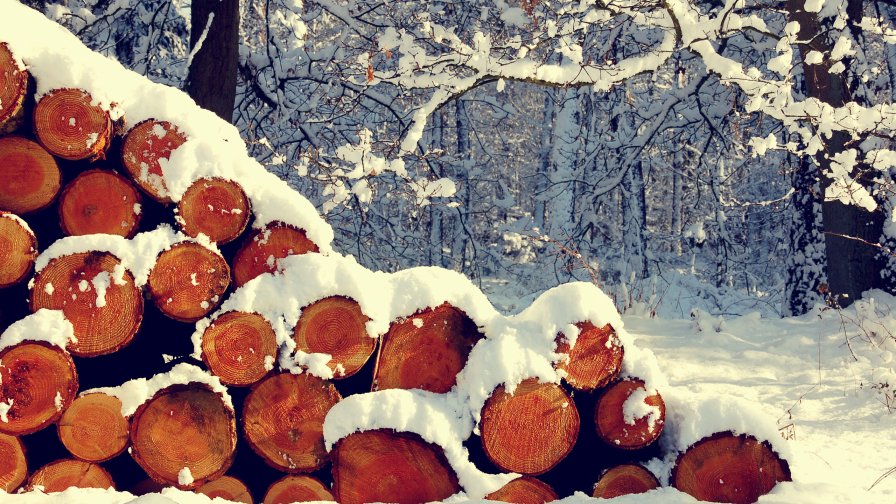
column 729, row 468
column 227, row 488
column 191, row 413
column 188, row 281
column 260, row 251
column 38, row 381
column 70, row 127
column 13, row 88
column 143, row 146
column 18, row 250
column 63, row 474
column 387, row 466
column 530, row 431
column 99, row 201
column 425, row 351
column 93, row 428
column 215, row 207
column 596, row 359
column 97, row 295
column 29, row 176
column 336, row 326
column 293, row 488
column 13, row 464
column 240, row 348
column 619, row 421
column 524, row 490
column 624, row 479
column 283, row 421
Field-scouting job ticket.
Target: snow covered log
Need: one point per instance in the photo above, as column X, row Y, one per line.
column 38, row 381
column 66, row 473
column 283, row 421
column 190, row 412
column 188, row 281
column 215, row 207
column 627, row 416
column 93, row 428
column 292, row 488
column 524, row 490
column 29, row 176
column 624, row 479
column 240, row 348
column 18, row 249
column 531, row 430
column 145, row 147
column 99, row 201
column 227, row 488
column 336, row 326
column 13, row 465
column 13, row 88
column 595, row 360
column 70, row 126
column 97, row 295
column 426, row 350
column 383, row 465
column 729, row 468
column 261, row 249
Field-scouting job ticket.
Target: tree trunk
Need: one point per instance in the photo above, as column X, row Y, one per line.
column 387, row 466
column 806, row 262
column 336, row 326
column 100, row 202
column 214, row 43
column 552, row 420
column 425, row 351
column 628, row 417
column 215, row 207
column 729, row 468
column 625, row 479
column 239, row 348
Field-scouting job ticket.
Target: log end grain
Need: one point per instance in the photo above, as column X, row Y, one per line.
column 336, row 326
column 13, row 464
column 595, row 360
column 18, row 250
column 93, row 428
column 143, row 146
column 626, row 416
column 29, row 176
column 69, row 126
column 188, row 281
column 99, row 201
column 240, row 348
column 624, row 479
column 13, row 88
column 290, row 489
column 215, row 207
column 67, row 473
column 260, row 251
column 524, row 490
column 227, row 488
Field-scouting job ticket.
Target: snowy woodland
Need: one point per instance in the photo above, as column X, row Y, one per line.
column 723, row 170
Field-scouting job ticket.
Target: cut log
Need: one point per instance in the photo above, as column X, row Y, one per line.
column 260, row 251
column 524, row 490
column 97, row 295
column 293, row 488
column 425, row 351
column 227, row 488
column 596, row 359
column 336, row 326
column 215, row 207
column 184, row 436
column 144, row 145
column 93, row 428
column 627, row 417
column 99, row 201
column 70, row 127
column 530, row 431
column 387, row 466
column 67, row 473
column 240, row 348
column 18, row 249
column 13, row 464
column 188, row 281
column 38, row 381
column 729, row 468
column 13, row 88
column 283, row 420
column 624, row 479
column 29, row 176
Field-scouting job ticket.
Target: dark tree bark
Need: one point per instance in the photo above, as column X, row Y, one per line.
column 211, row 79
column 850, row 231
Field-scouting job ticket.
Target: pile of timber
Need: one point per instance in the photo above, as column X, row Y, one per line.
column 66, row 169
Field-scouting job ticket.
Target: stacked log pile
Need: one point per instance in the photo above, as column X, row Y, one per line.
column 234, row 400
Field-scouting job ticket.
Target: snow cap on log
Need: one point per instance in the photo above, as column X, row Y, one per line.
column 45, row 325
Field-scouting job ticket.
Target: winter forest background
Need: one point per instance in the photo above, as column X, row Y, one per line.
column 731, row 156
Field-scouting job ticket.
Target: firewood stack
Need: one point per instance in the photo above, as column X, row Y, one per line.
column 253, row 428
